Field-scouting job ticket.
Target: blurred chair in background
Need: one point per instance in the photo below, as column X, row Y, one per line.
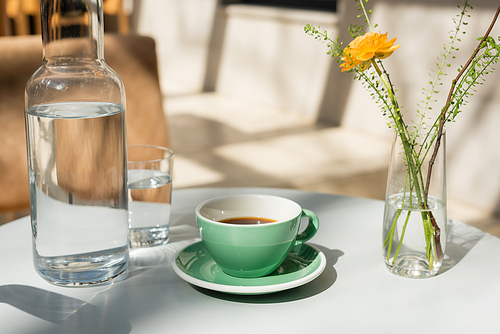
column 132, row 57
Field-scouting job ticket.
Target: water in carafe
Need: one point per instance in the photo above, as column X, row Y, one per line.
column 76, row 142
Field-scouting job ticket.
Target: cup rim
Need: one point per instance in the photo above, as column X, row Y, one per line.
column 198, row 208
column 170, row 153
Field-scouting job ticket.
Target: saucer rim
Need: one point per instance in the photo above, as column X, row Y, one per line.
column 250, row 290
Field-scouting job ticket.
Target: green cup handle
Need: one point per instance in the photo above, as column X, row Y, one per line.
column 311, row 229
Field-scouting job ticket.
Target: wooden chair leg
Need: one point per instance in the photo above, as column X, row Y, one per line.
column 4, row 22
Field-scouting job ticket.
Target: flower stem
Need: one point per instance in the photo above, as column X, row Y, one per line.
column 413, row 168
column 442, row 120
column 390, row 236
column 402, row 236
column 442, row 117
column 428, row 237
column 365, row 14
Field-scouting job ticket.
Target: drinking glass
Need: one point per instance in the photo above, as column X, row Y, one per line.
column 149, row 194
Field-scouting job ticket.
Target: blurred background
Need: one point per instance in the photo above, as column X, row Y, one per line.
column 250, row 100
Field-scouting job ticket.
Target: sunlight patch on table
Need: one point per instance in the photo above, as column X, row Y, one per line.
column 245, row 116
column 333, row 153
column 189, row 173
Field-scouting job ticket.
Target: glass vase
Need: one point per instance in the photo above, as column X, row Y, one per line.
column 415, row 217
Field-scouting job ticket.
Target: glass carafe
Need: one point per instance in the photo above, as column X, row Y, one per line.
column 76, row 143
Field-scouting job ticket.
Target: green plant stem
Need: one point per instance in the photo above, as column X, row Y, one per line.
column 390, row 236
column 414, row 169
column 402, row 236
column 428, row 237
column 442, row 120
column 442, row 117
column 365, row 14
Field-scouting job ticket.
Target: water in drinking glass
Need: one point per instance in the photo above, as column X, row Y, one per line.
column 150, row 193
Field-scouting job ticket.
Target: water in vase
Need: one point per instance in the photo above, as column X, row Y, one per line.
column 411, row 247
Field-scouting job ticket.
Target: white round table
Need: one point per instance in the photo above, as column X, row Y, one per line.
column 355, row 293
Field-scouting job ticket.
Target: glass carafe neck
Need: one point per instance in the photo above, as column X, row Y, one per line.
column 72, row 29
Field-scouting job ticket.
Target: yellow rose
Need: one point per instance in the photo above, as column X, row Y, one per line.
column 364, row 48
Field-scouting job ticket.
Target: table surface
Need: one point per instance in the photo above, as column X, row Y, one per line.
column 355, row 293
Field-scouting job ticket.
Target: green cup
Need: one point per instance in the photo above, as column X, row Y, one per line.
column 252, row 250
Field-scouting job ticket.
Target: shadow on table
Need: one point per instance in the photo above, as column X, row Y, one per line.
column 73, row 315
column 144, row 259
column 460, row 240
column 320, row 284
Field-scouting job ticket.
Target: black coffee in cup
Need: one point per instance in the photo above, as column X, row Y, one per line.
column 247, row 220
